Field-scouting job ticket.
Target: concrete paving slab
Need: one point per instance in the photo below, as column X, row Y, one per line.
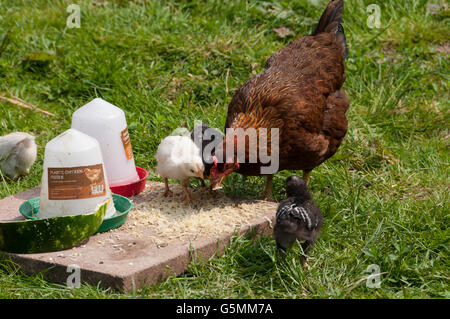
column 121, row 259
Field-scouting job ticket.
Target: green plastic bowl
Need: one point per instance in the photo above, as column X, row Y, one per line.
column 123, row 205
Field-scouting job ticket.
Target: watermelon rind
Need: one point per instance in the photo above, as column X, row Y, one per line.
column 49, row 234
column 123, row 205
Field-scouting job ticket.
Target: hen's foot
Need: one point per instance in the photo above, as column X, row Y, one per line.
column 267, row 194
column 268, row 197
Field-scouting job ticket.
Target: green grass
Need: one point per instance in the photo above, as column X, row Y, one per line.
column 384, row 195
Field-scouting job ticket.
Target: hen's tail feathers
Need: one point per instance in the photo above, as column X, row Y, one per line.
column 330, row 22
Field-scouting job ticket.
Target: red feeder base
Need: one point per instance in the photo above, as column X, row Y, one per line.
column 132, row 189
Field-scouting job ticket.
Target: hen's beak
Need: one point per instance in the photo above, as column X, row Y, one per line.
column 200, row 172
column 216, row 181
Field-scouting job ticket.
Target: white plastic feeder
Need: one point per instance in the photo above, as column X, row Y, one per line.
column 74, row 180
column 106, row 123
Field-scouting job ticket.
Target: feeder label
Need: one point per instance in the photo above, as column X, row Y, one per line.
column 126, row 143
column 76, row 182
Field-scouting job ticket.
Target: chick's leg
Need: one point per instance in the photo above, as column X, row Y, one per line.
column 306, row 175
column 267, row 194
column 281, row 251
column 306, row 246
column 167, row 190
column 186, row 194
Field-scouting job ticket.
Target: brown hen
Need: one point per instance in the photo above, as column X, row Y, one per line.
column 298, row 93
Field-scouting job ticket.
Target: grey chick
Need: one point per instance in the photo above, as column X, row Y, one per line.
column 17, row 153
column 297, row 218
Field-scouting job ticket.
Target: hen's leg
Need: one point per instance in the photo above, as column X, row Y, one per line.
column 167, row 190
column 186, row 194
column 306, row 175
column 267, row 194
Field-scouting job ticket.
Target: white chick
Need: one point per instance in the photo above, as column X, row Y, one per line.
column 179, row 158
column 17, row 153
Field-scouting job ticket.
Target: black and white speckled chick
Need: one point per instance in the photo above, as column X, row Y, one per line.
column 297, row 217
